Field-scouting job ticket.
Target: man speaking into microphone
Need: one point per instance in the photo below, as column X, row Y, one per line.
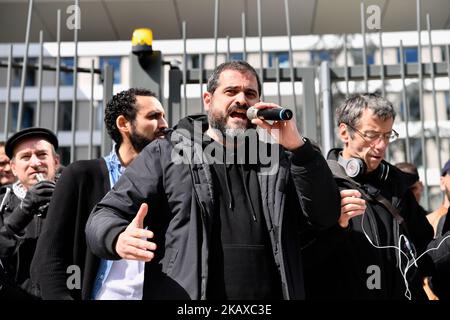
column 219, row 228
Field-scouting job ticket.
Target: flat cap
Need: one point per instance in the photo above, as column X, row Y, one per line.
column 29, row 133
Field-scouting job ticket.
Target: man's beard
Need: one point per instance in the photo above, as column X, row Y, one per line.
column 219, row 122
column 138, row 141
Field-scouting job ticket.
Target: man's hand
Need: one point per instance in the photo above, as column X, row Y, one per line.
column 37, row 196
column 351, row 206
column 130, row 244
column 285, row 133
column 34, row 203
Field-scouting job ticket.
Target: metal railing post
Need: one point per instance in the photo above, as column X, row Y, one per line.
column 108, row 81
column 327, row 115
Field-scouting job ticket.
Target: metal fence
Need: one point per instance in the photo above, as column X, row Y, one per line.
column 315, row 109
column 41, row 69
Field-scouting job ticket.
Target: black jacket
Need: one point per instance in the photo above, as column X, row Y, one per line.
column 181, row 202
column 17, row 246
column 353, row 263
column 62, row 242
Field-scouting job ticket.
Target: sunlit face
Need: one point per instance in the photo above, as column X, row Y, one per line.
column 32, row 156
column 227, row 106
column 149, row 122
column 6, row 175
column 371, row 151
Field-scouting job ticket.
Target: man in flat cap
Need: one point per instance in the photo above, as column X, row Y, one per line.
column 435, row 216
column 34, row 163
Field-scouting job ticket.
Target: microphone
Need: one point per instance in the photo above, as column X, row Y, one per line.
column 269, row 114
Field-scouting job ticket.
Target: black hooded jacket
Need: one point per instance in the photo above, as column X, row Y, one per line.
column 172, row 178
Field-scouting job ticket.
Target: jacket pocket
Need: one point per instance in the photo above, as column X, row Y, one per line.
column 169, row 260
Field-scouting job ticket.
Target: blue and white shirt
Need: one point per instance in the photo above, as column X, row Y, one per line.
column 119, row 279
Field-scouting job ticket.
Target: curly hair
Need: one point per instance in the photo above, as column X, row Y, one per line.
column 123, row 103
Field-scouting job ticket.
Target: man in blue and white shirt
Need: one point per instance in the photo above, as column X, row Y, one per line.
column 64, row 268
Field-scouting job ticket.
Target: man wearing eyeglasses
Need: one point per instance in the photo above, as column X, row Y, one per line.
column 379, row 214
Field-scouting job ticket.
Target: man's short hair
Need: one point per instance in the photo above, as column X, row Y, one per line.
column 351, row 110
column 123, row 103
column 238, row 65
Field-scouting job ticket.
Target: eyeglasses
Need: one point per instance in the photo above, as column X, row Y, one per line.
column 373, row 136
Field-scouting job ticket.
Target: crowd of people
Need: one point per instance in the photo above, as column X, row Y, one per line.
column 221, row 207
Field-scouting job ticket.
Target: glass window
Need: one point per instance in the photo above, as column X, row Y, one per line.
column 370, row 58
column 320, row 55
column 115, row 62
column 236, row 56
column 416, row 150
column 27, row 115
column 357, row 55
column 412, row 94
column 96, row 152
column 30, row 79
column 447, row 105
column 410, row 55
column 194, row 60
column 444, row 52
column 283, row 59
column 65, row 116
column 66, row 77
